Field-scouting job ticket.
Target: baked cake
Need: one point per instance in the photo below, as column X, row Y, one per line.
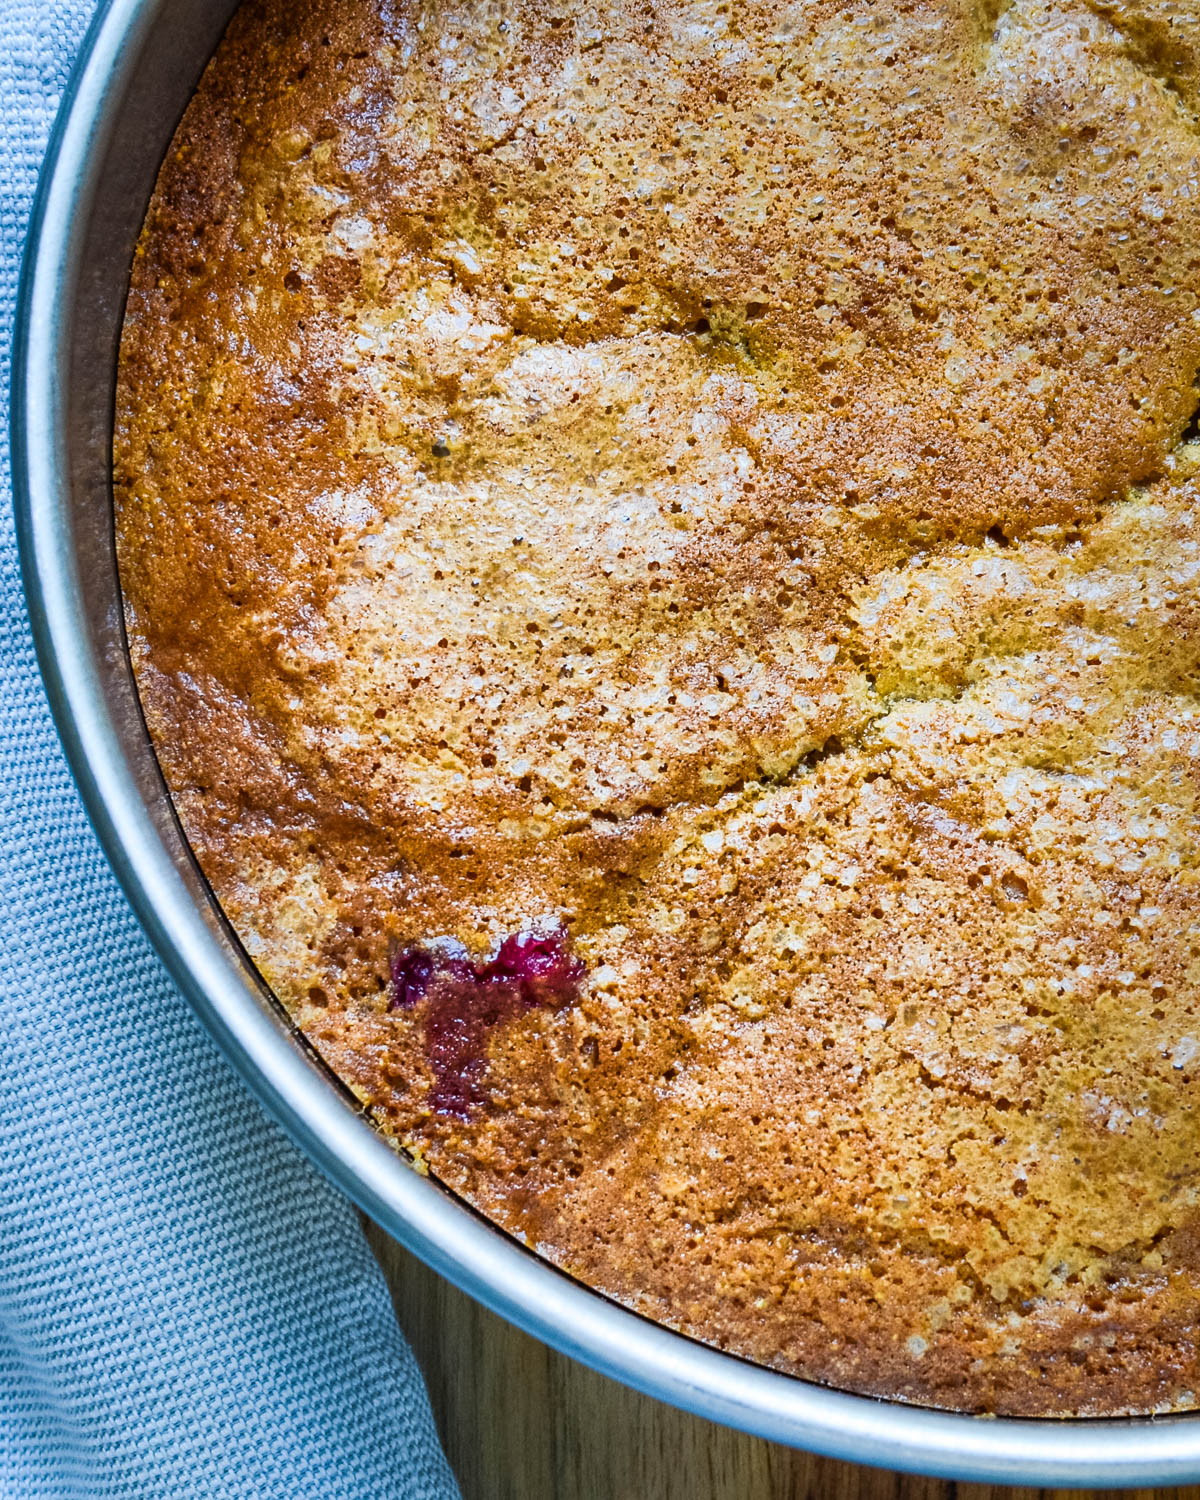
column 662, row 559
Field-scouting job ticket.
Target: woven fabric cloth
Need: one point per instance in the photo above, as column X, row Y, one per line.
column 186, row 1307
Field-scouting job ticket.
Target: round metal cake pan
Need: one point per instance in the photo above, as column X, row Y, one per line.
column 139, row 64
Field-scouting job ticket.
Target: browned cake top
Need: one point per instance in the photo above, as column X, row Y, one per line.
column 702, row 483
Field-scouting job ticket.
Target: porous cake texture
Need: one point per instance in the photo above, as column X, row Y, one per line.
column 662, row 560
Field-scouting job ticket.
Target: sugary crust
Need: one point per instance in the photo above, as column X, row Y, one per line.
column 711, row 475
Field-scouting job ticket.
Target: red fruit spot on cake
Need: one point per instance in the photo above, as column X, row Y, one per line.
column 466, row 1002
column 544, row 967
column 412, row 969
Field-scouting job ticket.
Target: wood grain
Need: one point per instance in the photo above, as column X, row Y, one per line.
column 520, row 1422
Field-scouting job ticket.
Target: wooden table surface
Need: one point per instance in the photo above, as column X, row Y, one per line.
column 520, row 1422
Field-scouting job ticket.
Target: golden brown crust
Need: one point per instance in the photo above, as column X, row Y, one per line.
column 710, row 474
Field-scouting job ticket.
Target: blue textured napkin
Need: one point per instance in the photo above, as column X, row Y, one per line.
column 187, row 1309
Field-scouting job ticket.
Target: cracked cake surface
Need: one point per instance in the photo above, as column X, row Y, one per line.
column 661, row 552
